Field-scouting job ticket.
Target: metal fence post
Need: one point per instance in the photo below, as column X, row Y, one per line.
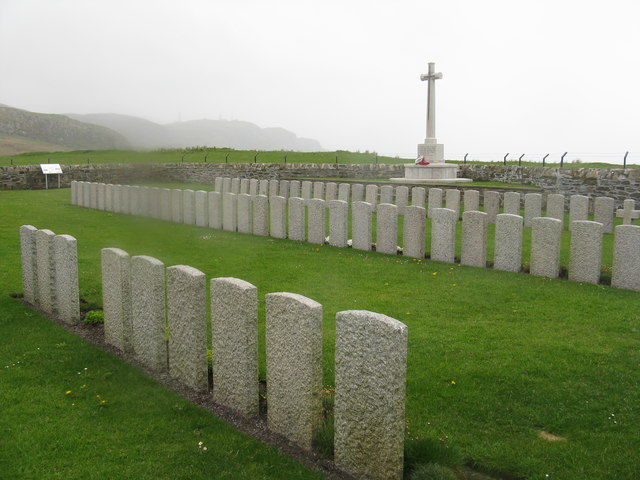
column 520, row 160
column 544, row 158
column 562, row 159
column 505, row 158
column 624, row 163
column 465, row 158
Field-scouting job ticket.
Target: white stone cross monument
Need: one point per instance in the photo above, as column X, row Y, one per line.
column 430, row 149
column 432, row 168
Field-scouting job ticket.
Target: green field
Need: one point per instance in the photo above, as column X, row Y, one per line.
column 514, row 375
column 222, row 155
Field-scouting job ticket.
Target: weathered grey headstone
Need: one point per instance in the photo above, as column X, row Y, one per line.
column 125, row 199
column 297, row 226
column 235, row 185
column 491, row 205
column 443, row 235
column 578, row 209
column 418, row 196
column 253, row 187
column 187, row 322
column 452, row 199
column 386, row 194
column 471, row 201
column 603, row 209
column 545, row 246
column 215, row 209
column 318, row 190
column 165, row 204
column 338, row 222
column 628, row 213
column 29, row 263
column 101, row 194
column 316, row 219
column 46, row 271
column 108, row 198
column 263, row 187
column 294, row 365
column 218, row 184
column 278, row 217
column 244, row 185
column 371, row 195
column 188, row 207
column 369, row 413
column 284, row 189
column 344, row 191
column 402, row 198
column 435, row 200
column 94, row 195
column 331, row 191
column 74, row 192
column 86, row 194
column 148, row 312
column 117, row 199
column 261, row 215
column 226, row 185
column 202, row 215
column 274, row 186
column 143, row 202
column 474, row 239
column 116, row 298
column 555, row 206
column 229, row 212
column 626, row 258
column 234, row 329
column 586, row 251
column 245, row 220
column 532, row 207
column 512, row 202
column 306, row 190
column 67, row 293
column 414, row 231
column 508, row 243
column 357, row 192
column 176, row 205
column 387, row 229
column 294, row 189
column 361, row 216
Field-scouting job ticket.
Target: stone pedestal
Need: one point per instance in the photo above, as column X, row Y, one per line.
column 432, row 173
column 432, row 152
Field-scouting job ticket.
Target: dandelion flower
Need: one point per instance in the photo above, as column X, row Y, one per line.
column 68, row 392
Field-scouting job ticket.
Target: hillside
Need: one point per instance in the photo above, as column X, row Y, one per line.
column 144, row 134
column 22, row 131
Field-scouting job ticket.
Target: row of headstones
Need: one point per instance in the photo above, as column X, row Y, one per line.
column 165, row 327
column 100, row 196
column 263, row 215
column 579, row 208
column 370, row 355
column 50, row 273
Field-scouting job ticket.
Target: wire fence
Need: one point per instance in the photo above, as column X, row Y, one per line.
column 551, row 158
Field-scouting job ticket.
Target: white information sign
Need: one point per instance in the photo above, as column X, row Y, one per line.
column 50, row 168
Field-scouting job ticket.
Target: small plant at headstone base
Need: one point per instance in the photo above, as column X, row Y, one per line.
column 420, row 452
column 93, row 317
column 324, row 436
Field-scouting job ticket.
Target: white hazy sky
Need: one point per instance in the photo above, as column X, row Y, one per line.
column 519, row 76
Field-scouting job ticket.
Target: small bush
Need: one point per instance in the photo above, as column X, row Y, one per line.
column 94, row 317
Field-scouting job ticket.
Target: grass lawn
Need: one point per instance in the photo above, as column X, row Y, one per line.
column 496, row 360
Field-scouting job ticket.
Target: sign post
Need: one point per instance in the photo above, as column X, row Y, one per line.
column 50, row 169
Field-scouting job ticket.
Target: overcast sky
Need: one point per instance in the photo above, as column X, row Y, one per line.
column 519, row 76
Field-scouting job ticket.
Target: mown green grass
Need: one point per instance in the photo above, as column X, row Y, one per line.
column 494, row 358
column 213, row 155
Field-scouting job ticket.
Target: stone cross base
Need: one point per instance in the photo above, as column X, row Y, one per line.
column 433, row 173
column 432, row 152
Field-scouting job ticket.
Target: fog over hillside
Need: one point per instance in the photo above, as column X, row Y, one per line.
column 144, row 134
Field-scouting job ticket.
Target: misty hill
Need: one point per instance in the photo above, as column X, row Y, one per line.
column 144, row 134
column 23, row 131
